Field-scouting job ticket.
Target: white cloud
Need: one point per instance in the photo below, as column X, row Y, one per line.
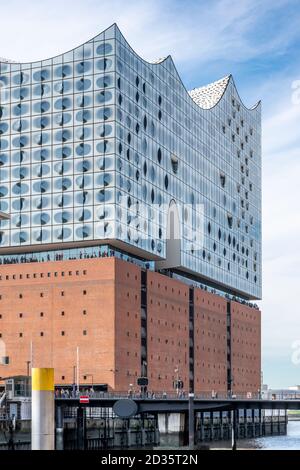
column 281, row 228
column 202, row 31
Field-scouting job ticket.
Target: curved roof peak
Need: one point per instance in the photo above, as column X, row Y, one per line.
column 209, row 95
column 158, row 61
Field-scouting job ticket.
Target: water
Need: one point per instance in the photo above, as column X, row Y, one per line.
column 289, row 442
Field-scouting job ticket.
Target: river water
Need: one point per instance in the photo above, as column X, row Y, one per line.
column 289, row 442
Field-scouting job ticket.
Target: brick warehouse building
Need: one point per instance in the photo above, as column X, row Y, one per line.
column 112, row 327
column 131, row 226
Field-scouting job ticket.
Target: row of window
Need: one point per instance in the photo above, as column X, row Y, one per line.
column 62, row 293
column 42, row 314
column 42, row 333
column 41, row 275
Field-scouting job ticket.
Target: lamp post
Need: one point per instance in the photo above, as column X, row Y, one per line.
column 176, row 370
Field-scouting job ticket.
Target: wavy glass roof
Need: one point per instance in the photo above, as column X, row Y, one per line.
column 89, row 134
column 209, row 95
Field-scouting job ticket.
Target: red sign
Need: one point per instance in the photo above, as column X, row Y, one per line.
column 84, row 399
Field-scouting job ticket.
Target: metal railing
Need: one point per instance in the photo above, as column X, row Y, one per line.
column 164, row 395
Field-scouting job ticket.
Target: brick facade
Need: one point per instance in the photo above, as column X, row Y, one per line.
column 95, row 304
column 167, row 332
column 245, row 348
column 210, row 342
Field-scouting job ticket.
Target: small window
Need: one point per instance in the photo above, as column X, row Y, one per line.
column 84, row 292
column 20, row 296
column 41, row 314
column 20, row 335
column 174, row 163
column 62, row 333
column 84, row 332
column 41, row 333
column 222, row 179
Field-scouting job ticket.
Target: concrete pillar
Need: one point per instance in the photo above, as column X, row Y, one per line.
column 157, row 437
column 59, row 445
column 129, row 437
column 191, row 421
column 234, row 430
column 144, row 436
column 42, row 420
column 81, row 428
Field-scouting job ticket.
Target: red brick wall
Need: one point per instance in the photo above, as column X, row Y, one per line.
column 102, row 297
column 65, row 308
column 128, row 325
column 245, row 348
column 167, row 332
column 210, row 356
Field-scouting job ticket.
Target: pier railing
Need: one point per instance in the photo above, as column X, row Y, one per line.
column 173, row 395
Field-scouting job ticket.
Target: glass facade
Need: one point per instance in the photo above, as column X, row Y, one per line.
column 96, row 143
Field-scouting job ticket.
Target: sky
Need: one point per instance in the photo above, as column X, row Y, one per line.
column 258, row 41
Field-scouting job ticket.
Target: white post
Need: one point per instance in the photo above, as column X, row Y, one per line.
column 77, row 369
column 42, row 416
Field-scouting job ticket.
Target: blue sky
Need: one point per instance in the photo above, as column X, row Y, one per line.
column 259, row 43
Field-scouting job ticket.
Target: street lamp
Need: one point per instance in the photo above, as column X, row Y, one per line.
column 176, row 370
